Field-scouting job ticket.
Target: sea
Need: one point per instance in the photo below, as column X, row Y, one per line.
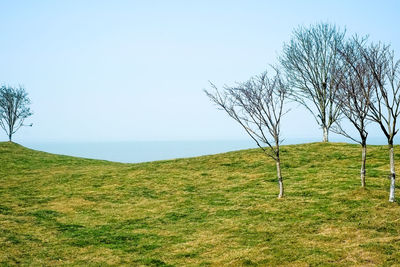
column 143, row 151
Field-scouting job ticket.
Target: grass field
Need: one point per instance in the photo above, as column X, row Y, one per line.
column 212, row 210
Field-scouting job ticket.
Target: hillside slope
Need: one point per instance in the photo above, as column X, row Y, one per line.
column 211, row 210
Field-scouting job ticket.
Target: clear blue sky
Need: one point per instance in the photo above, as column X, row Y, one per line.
column 135, row 70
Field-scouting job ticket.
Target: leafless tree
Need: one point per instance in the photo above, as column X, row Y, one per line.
column 309, row 60
column 355, row 93
column 258, row 106
column 386, row 109
column 14, row 109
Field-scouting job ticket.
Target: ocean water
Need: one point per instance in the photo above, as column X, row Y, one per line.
column 134, row 152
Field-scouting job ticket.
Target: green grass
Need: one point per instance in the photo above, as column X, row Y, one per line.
column 212, row 210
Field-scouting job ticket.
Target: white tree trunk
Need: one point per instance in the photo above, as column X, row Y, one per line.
column 280, row 181
column 326, row 133
column 392, row 174
column 363, row 159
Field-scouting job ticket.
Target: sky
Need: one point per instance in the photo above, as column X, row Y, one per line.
column 136, row 70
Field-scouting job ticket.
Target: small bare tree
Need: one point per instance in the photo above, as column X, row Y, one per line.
column 309, row 60
column 386, row 109
column 258, row 106
column 14, row 109
column 355, row 83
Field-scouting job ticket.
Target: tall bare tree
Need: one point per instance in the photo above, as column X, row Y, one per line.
column 386, row 109
column 14, row 109
column 258, row 106
column 355, row 93
column 309, row 60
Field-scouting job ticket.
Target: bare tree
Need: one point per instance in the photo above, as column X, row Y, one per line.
column 309, row 60
column 355, row 93
column 258, row 106
column 386, row 109
column 14, row 109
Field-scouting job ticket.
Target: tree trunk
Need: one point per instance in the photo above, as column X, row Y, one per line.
column 10, row 130
column 280, row 181
column 363, row 159
column 392, row 173
column 326, row 133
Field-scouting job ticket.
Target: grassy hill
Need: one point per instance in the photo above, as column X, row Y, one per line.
column 212, row 210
